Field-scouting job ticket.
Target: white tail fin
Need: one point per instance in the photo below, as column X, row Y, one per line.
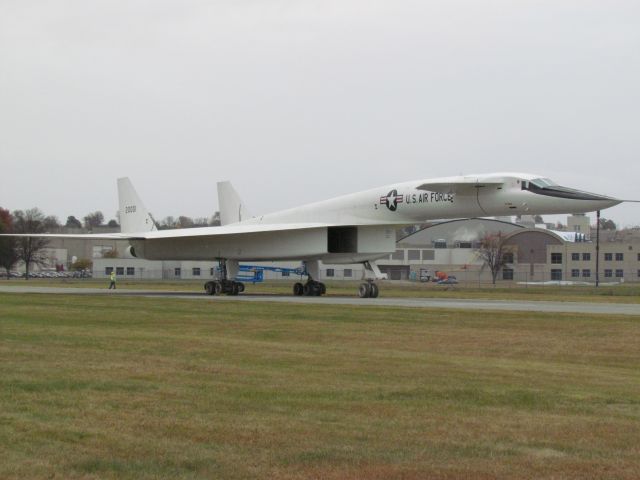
column 232, row 209
column 133, row 216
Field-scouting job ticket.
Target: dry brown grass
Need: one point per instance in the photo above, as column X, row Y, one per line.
column 146, row 388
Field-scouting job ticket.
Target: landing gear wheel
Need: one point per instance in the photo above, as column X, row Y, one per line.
column 235, row 289
column 323, row 288
column 240, row 287
column 210, row 288
column 374, row 291
column 307, row 289
column 364, row 291
column 298, row 289
column 218, row 288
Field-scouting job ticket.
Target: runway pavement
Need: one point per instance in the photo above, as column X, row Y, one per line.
column 509, row 305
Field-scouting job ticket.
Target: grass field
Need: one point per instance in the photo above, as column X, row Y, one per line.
column 106, row 387
column 629, row 293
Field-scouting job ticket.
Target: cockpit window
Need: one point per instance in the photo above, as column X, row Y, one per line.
column 543, row 182
column 544, row 186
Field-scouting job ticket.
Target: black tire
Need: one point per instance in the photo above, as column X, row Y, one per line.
column 234, row 290
column 240, row 287
column 298, row 289
column 323, row 288
column 374, row 291
column 308, row 289
column 218, row 287
column 210, row 288
column 364, row 291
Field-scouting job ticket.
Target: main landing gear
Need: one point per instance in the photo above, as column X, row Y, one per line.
column 218, row 287
column 312, row 288
column 368, row 290
column 309, row 289
column 224, row 285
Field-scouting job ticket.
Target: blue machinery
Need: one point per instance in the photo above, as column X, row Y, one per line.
column 255, row 273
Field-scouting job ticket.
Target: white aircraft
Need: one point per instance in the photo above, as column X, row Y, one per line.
column 355, row 228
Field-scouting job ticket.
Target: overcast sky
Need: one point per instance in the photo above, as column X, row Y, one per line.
column 297, row 101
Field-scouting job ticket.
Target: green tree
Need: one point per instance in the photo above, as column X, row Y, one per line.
column 73, row 222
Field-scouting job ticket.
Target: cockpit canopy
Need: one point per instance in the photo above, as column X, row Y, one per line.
column 544, row 186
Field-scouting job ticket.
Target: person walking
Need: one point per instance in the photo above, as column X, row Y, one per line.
column 112, row 277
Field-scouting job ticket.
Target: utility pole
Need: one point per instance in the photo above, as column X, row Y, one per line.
column 598, row 248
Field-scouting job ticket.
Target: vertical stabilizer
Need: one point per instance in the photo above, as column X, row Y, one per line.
column 232, row 209
column 134, row 217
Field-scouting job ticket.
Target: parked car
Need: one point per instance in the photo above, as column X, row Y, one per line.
column 451, row 280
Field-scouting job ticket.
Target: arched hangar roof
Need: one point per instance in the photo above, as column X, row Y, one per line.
column 465, row 229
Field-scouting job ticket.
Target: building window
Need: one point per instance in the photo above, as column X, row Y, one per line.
column 575, row 257
column 428, row 255
column 556, row 274
column 575, row 272
column 285, row 273
column 119, row 270
column 507, row 273
column 177, row 272
column 440, row 243
column 586, row 257
column 399, row 255
column 608, row 272
column 196, row 271
column 507, row 257
column 108, row 270
column 212, row 271
column 619, row 257
column 586, row 273
column 608, row 257
column 348, row 272
column 413, row 255
column 330, row 272
column 465, row 245
column 131, row 270
column 619, row 273
column 556, row 258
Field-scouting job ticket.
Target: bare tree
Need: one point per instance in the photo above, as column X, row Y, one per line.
column 606, row 224
column 494, row 253
column 51, row 223
column 185, row 222
column 8, row 250
column 214, row 221
column 92, row 220
column 200, row 222
column 168, row 223
column 31, row 250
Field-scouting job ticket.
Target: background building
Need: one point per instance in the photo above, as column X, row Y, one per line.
column 537, row 254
